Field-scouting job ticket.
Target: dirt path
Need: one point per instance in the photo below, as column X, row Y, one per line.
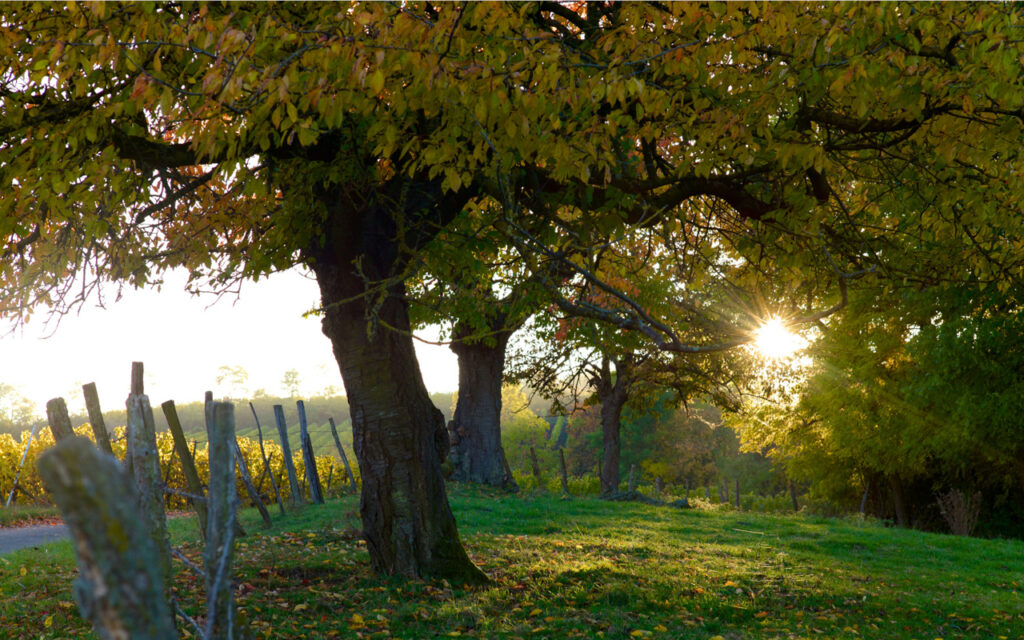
column 21, row 537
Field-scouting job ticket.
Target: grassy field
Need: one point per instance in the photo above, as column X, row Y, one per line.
column 587, row 568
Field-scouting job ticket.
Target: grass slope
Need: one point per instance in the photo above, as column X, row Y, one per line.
column 586, row 568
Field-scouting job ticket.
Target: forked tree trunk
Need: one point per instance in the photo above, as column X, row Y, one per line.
column 477, row 454
column 399, row 437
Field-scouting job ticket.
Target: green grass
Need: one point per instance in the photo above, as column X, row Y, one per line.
column 18, row 515
column 586, row 568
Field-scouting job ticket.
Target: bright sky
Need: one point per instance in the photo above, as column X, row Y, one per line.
column 183, row 341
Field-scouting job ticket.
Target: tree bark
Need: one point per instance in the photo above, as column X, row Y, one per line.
column 399, row 437
column 613, row 393
column 477, row 454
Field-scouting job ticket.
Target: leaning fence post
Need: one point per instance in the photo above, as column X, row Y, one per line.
column 344, row 458
column 286, row 453
column 188, row 464
column 120, row 588
column 24, row 454
column 266, row 460
column 57, row 416
column 220, row 607
column 99, row 427
column 250, row 488
column 316, row 492
column 146, row 469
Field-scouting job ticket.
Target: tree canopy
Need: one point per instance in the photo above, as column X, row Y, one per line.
column 831, row 140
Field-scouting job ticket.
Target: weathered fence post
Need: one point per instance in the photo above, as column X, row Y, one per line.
column 286, row 453
column 659, row 485
column 146, row 469
column 737, row 481
column 344, row 458
column 57, row 416
column 99, row 426
column 632, row 478
column 707, row 493
column 220, row 606
column 565, row 475
column 208, row 415
column 120, row 588
column 863, row 499
column 316, row 492
column 188, row 464
column 250, row 488
column 266, row 460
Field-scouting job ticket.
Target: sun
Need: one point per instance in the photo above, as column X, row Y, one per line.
column 775, row 341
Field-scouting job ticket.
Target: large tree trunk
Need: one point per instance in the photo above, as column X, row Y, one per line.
column 477, row 454
column 612, row 391
column 399, row 436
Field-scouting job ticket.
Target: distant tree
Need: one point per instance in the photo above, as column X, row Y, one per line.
column 290, row 382
column 235, row 378
column 17, row 412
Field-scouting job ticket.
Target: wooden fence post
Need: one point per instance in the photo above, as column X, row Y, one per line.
column 99, row 426
column 286, row 452
column 120, row 588
column 632, row 478
column 57, row 416
column 316, row 492
column 250, row 488
column 737, row 481
column 266, row 460
column 220, row 606
column 146, row 466
column 344, row 458
column 188, row 464
column 24, row 454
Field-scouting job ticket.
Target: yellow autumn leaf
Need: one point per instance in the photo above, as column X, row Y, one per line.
column 301, row 607
column 716, row 638
column 660, row 628
column 535, row 612
column 730, row 583
column 48, row 622
column 375, row 81
column 23, row 571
